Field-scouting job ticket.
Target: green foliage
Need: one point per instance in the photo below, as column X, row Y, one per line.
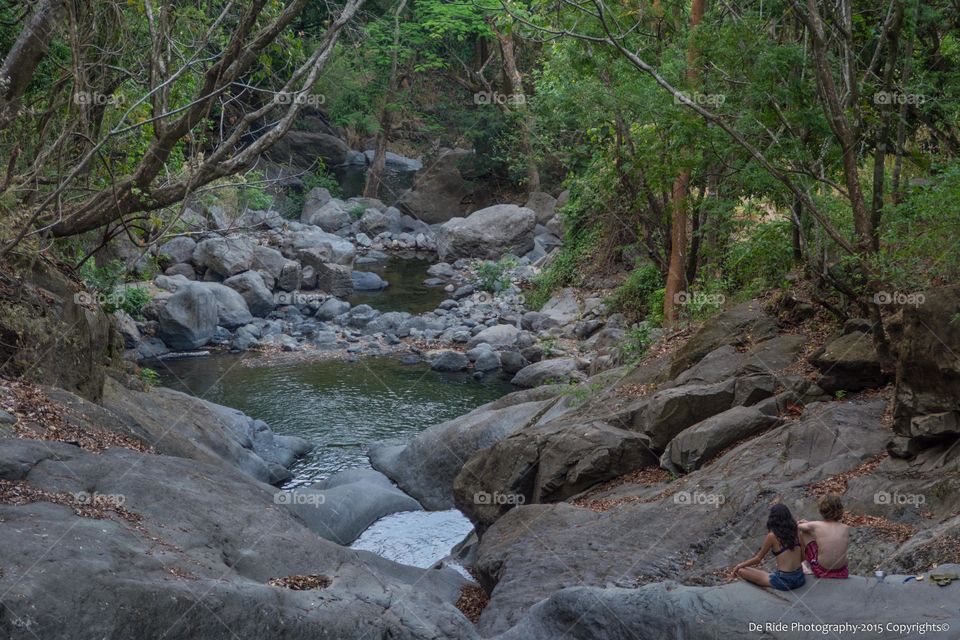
column 149, row 376
column 632, row 298
column 636, row 343
column 492, row 276
column 106, row 282
column 356, row 211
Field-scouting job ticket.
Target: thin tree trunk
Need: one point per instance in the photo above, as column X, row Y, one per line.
column 375, row 174
column 518, row 97
column 678, row 218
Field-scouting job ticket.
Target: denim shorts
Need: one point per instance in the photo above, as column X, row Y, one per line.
column 787, row 580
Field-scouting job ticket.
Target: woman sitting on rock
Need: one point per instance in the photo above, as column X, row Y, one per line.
column 783, row 542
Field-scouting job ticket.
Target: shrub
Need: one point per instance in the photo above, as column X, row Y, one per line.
column 633, row 297
column 492, row 276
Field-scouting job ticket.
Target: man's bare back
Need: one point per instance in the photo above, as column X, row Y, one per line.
column 833, row 539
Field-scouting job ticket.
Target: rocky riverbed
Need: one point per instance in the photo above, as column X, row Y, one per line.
column 609, row 496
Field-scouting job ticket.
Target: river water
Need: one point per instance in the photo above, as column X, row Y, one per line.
column 343, row 407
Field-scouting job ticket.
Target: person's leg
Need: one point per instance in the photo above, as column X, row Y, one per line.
column 756, row 576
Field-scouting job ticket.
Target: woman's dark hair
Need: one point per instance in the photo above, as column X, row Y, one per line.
column 783, row 526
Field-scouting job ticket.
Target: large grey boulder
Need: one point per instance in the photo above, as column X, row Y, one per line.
column 499, row 336
column 542, row 204
column 849, row 363
column 255, row 293
column 426, row 467
column 301, row 149
column 330, row 216
column 672, row 410
column 439, row 191
column 699, row 443
column 285, row 272
column 555, row 371
column 186, row 529
column 224, row 256
column 335, row 279
column 325, row 247
column 563, row 307
column 340, row 509
column 449, row 361
column 232, row 310
column 488, row 233
column 546, row 463
column 668, row 610
column 176, row 250
column 368, row 281
column 927, row 395
column 189, row 318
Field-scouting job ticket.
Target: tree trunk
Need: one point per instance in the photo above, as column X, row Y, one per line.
column 519, row 99
column 375, row 174
column 678, row 218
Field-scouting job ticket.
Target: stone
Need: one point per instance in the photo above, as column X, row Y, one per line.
column 250, row 285
column 563, row 308
column 555, row 371
column 500, row 337
column 449, row 361
column 224, row 256
column 335, row 279
column 331, row 308
column 512, row 361
column 698, row 444
column 368, row 281
column 736, row 326
column 487, row 361
column 849, row 363
column 672, row 410
column 232, row 310
column 189, row 318
column 181, row 269
column 542, row 204
column 373, row 222
column 127, row 327
column 312, row 246
column 439, row 191
column 176, row 250
column 331, row 217
column 487, row 234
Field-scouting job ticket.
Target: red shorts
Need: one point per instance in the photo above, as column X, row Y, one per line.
column 812, row 552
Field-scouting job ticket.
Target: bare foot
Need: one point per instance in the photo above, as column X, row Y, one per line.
column 806, row 568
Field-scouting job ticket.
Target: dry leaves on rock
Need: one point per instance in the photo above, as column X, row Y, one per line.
column 472, row 601
column 301, row 583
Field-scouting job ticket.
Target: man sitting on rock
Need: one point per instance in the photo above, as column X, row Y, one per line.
column 825, row 541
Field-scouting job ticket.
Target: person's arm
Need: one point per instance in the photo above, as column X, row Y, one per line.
column 806, row 526
column 757, row 559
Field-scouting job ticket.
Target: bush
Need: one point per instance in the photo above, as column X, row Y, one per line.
column 149, row 376
column 492, row 276
column 759, row 258
column 633, row 297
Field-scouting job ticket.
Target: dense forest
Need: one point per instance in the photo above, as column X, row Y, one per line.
column 708, row 148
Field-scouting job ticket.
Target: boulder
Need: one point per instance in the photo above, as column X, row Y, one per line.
column 555, row 371
column 849, row 363
column 286, row 273
column 542, row 204
column 440, row 191
column 499, row 336
column 250, row 285
column 176, row 250
column 368, row 281
column 426, row 467
column 704, row 440
column 672, row 410
column 322, row 246
column 449, row 361
column 224, row 256
column 301, row 149
column 181, row 269
column 189, row 318
column 736, row 326
column 373, row 222
column 512, row 361
column 232, row 310
column 331, row 308
column 488, row 233
column 926, row 408
column 330, row 216
column 669, row 610
column 562, row 308
column 340, row 510
column 546, row 463
column 335, row 279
